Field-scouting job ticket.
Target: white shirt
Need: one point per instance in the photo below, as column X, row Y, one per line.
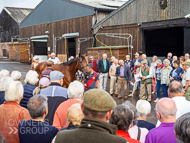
column 133, row 132
column 186, row 76
column 183, row 107
column 55, row 60
column 148, row 76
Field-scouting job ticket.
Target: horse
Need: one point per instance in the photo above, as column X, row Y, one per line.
column 69, row 69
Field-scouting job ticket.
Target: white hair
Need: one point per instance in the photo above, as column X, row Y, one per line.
column 75, row 89
column 137, row 64
column 112, row 57
column 143, row 107
column 52, row 53
column 115, row 60
column 105, row 54
column 166, row 60
column 127, row 56
column 4, row 73
column 144, row 55
column 120, row 61
column 34, row 58
column 137, row 53
column 14, row 91
column 188, row 60
column 170, row 54
column 16, row 75
column 31, row 77
column 174, row 57
column 4, row 82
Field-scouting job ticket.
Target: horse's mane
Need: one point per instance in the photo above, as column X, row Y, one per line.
column 70, row 62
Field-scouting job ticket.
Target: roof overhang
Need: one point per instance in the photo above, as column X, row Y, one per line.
column 70, row 35
column 41, row 38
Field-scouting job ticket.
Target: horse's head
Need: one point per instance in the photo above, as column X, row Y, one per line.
column 82, row 63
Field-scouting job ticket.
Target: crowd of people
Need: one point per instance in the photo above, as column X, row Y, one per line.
column 84, row 112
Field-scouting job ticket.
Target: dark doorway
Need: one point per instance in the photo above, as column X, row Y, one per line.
column 71, row 47
column 4, row 53
column 162, row 41
column 40, row 48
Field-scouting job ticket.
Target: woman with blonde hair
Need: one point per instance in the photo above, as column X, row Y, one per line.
column 35, row 63
column 153, row 66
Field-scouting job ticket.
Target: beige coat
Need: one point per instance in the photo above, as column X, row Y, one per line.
column 168, row 74
column 112, row 70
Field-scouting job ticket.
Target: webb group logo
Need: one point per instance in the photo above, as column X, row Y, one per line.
column 28, row 127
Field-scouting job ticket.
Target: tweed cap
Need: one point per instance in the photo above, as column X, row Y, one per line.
column 98, row 100
column 144, row 62
column 186, row 64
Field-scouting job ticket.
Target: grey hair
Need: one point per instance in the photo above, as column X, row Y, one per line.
column 16, row 75
column 144, row 55
column 188, row 60
column 31, row 77
column 37, row 106
column 158, row 61
column 143, row 107
column 137, row 53
column 115, row 60
column 127, row 56
column 120, row 61
column 166, row 60
column 132, row 107
column 187, row 54
column 175, row 87
column 175, row 57
column 170, row 54
column 182, row 128
column 105, row 54
column 137, row 64
column 4, row 73
column 52, row 53
column 122, row 116
column 4, row 82
column 75, row 89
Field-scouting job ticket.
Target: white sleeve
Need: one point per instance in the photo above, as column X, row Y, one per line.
column 158, row 123
column 140, row 74
column 58, row 61
column 150, row 73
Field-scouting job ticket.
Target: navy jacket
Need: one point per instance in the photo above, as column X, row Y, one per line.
column 2, row 97
column 178, row 71
column 127, row 73
column 101, row 66
column 28, row 93
column 134, row 60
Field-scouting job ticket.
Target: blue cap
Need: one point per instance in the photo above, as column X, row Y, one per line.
column 56, row 75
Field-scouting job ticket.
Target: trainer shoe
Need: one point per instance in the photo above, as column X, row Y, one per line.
column 156, row 100
column 130, row 95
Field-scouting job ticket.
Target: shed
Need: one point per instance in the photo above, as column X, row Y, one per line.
column 157, row 26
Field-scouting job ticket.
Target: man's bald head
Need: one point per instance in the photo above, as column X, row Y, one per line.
column 175, row 89
column 166, row 109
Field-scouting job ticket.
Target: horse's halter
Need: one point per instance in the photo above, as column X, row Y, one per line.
column 80, row 65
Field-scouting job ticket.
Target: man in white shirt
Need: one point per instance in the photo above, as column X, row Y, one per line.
column 146, row 80
column 186, row 79
column 54, row 59
column 176, row 92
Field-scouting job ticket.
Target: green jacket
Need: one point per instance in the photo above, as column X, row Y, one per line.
column 90, row 131
column 145, row 72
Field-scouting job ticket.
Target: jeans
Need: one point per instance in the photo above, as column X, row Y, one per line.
column 165, row 90
column 103, row 78
column 158, row 89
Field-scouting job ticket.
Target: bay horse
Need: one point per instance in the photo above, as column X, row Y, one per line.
column 69, row 69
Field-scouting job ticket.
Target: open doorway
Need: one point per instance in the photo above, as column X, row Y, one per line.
column 71, row 47
column 159, row 42
column 40, row 51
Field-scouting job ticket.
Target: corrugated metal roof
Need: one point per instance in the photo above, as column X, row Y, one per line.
column 18, row 14
column 100, row 4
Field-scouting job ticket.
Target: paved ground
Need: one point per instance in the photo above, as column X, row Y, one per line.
column 23, row 68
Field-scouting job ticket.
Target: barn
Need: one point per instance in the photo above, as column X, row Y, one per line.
column 10, row 18
column 56, row 26
column 157, row 26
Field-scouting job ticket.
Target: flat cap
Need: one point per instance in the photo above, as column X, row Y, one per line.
column 144, row 62
column 56, row 75
column 186, row 63
column 98, row 100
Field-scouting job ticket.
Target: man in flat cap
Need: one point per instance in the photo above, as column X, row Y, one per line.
column 186, row 79
column 97, row 107
column 145, row 75
column 55, row 93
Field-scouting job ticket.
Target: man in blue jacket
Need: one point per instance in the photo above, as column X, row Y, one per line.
column 123, row 76
column 137, row 59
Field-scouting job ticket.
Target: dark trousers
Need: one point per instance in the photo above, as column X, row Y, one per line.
column 165, row 90
column 158, row 85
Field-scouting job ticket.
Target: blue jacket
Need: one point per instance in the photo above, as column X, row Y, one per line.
column 2, row 97
column 28, row 93
column 178, row 71
column 134, row 60
column 127, row 73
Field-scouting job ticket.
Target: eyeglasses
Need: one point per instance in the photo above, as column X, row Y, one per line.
column 169, row 56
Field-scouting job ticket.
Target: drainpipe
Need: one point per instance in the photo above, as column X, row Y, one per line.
column 94, row 35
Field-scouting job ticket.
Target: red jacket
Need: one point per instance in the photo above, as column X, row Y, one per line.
column 94, row 65
column 126, row 136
